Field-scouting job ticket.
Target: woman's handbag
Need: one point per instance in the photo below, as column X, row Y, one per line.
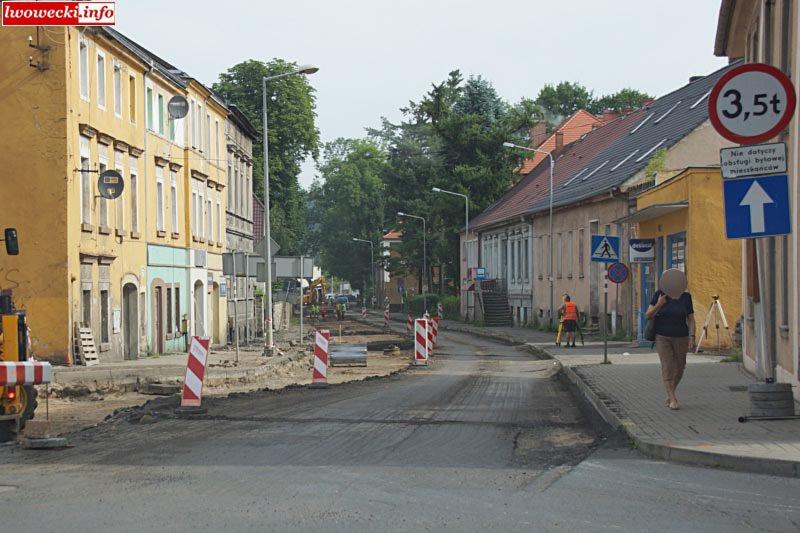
column 650, row 330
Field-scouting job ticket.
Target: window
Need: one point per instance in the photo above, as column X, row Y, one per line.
column 209, row 213
column 540, row 257
column 104, row 312
column 526, row 271
column 200, row 202
column 134, row 186
column 559, row 254
column 160, row 114
column 581, row 246
column 102, row 167
column 117, row 89
column 101, row 80
column 169, row 310
column 194, row 213
column 677, row 251
column 173, row 200
column 149, row 105
column 192, row 125
column 86, row 183
column 132, row 97
column 570, row 252
column 519, row 259
column 86, row 307
column 83, row 60
column 513, row 257
column 171, row 127
column 199, row 127
column 219, row 221
column 216, row 140
column 177, row 309
column 230, row 184
column 208, row 136
column 119, row 167
column 160, row 198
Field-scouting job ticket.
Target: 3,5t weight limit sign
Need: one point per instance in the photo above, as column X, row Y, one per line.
column 751, row 103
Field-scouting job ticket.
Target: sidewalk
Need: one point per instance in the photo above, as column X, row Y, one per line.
column 629, row 394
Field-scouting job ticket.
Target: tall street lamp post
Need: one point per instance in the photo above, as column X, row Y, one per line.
column 550, row 231
column 371, row 262
column 269, row 344
column 424, row 257
column 466, row 225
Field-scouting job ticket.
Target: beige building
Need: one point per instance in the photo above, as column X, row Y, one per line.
column 761, row 31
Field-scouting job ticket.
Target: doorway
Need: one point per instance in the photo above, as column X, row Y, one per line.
column 214, row 307
column 158, row 319
column 130, row 326
column 199, row 315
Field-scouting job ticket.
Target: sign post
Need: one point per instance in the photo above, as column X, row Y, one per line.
column 751, row 104
column 605, row 249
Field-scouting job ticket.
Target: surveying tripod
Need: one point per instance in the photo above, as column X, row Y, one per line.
column 714, row 311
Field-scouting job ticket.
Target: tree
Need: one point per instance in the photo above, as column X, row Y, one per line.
column 347, row 203
column 565, row 98
column 620, row 101
column 293, row 137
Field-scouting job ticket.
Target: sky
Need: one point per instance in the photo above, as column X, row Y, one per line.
column 376, row 55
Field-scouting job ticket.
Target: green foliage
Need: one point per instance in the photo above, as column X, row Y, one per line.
column 566, row 97
column 452, row 307
column 416, row 304
column 293, row 136
column 656, row 163
column 619, row 101
column 347, row 203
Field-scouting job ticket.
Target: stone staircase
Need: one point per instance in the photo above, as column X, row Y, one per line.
column 496, row 311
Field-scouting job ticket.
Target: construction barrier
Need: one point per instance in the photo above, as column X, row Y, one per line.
column 363, row 312
column 420, row 342
column 319, row 373
column 435, row 325
column 25, row 373
column 386, row 316
column 430, row 337
column 409, row 323
column 195, row 372
column 440, row 311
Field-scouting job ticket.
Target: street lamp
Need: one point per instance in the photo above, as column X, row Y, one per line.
column 424, row 257
column 372, row 260
column 269, row 345
column 552, row 165
column 466, row 225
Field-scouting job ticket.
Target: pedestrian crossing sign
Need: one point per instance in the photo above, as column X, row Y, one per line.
column 605, row 249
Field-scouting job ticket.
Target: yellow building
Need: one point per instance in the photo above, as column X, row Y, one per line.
column 87, row 101
column 684, row 213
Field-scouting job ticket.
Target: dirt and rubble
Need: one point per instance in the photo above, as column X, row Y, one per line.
column 81, row 405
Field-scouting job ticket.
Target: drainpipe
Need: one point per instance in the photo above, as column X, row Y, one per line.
column 144, row 231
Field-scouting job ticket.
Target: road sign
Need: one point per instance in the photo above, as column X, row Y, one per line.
column 480, row 274
column 642, row 250
column 751, row 103
column 178, row 107
column 617, row 273
column 110, row 184
column 605, row 249
column 756, row 160
column 756, row 207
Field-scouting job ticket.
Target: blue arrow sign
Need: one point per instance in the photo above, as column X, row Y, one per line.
column 757, row 207
column 605, row 249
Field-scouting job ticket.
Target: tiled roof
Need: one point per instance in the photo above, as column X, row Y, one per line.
column 609, row 156
column 572, row 128
column 393, row 235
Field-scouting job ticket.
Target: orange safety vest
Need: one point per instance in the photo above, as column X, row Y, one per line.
column 570, row 311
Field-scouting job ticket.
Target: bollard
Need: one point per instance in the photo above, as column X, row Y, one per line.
column 192, row 395
column 409, row 323
column 319, row 373
column 363, row 312
column 435, row 324
column 440, row 311
column 430, row 337
column 420, row 342
column 386, row 316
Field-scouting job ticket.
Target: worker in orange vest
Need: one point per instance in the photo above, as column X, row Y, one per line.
column 569, row 314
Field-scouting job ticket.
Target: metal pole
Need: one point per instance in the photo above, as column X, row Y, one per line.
column 372, row 268
column 235, row 306
column 301, row 299
column 247, row 332
column 605, row 317
column 424, row 266
column 465, row 294
column 552, row 274
column 269, row 345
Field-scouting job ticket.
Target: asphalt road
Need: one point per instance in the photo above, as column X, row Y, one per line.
column 486, row 438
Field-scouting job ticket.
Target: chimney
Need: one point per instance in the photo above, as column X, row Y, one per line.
column 538, row 134
column 608, row 115
column 559, row 141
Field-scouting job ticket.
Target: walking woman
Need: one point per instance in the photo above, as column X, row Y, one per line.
column 674, row 328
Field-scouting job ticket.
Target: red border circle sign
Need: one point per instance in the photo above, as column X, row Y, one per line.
column 618, row 273
column 751, row 103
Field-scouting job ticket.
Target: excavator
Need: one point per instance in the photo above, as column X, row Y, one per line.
column 315, row 293
column 17, row 402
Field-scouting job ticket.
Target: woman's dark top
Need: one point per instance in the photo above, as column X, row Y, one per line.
column 671, row 319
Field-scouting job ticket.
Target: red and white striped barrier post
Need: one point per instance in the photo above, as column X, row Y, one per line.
column 363, row 312
column 319, row 373
column 25, row 373
column 409, row 323
column 430, row 337
column 440, row 310
column 192, row 394
column 420, row 342
column 435, row 324
column 386, row 316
